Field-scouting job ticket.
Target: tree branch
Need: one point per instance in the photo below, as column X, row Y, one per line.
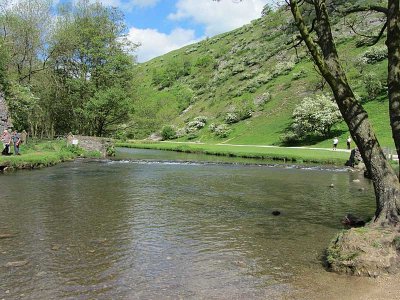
column 376, row 8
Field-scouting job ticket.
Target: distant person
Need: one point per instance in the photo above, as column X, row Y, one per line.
column 6, row 139
column 16, row 142
column 335, row 143
column 348, row 142
column 23, row 137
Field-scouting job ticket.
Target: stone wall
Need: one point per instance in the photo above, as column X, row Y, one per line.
column 5, row 121
column 90, row 143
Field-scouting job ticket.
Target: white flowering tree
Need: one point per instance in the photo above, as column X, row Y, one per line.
column 315, row 115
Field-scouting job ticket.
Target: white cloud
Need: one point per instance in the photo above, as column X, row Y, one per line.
column 218, row 17
column 155, row 43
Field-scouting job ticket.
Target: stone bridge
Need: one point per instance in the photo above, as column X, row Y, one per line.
column 90, row 143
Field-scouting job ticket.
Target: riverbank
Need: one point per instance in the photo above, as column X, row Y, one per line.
column 282, row 154
column 39, row 154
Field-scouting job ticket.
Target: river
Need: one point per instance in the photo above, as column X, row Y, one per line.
column 165, row 225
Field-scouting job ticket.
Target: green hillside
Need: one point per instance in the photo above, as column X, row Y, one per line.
column 253, row 74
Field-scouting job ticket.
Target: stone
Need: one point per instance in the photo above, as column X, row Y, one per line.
column 55, row 247
column 90, row 143
column 19, row 263
column 6, row 235
column 351, row 220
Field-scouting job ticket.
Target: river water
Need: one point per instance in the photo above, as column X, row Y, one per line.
column 164, row 225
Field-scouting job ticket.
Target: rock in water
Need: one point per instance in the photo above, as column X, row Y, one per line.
column 6, row 235
column 19, row 263
column 353, row 221
column 276, row 212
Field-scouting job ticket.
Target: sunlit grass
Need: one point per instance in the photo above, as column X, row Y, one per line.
column 38, row 154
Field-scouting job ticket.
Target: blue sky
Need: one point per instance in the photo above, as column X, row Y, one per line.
column 164, row 25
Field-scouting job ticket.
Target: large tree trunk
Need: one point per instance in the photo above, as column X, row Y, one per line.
column 393, row 45
column 386, row 185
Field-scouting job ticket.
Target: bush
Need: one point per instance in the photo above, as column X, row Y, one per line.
column 299, row 75
column 372, row 84
column 168, row 132
column 289, row 138
column 260, row 100
column 212, row 127
column 222, row 131
column 192, row 136
column 374, row 55
column 231, row 118
column 283, row 68
column 110, row 150
column 315, row 115
column 196, row 124
column 180, row 132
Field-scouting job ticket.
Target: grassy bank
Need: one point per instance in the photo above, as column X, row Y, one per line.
column 293, row 155
column 38, row 154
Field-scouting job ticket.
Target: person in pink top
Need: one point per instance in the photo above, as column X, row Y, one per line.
column 6, row 139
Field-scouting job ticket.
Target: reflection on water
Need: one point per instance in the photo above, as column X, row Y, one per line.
column 134, row 230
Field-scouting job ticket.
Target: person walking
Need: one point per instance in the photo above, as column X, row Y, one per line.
column 348, row 142
column 16, row 142
column 335, row 143
column 6, row 139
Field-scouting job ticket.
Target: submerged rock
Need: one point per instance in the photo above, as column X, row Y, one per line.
column 19, row 263
column 351, row 220
column 6, row 235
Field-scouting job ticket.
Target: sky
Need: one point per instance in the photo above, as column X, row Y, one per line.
column 161, row 26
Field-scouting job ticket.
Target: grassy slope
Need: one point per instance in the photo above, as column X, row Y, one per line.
column 214, row 88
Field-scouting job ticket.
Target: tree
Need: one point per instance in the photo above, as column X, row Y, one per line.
column 325, row 55
column 315, row 115
column 313, row 23
column 25, row 29
column 92, row 68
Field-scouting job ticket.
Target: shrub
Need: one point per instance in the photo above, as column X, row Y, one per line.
column 315, row 115
column 168, row 132
column 289, row 138
column 202, row 119
column 299, row 75
column 222, row 131
column 121, row 135
column 212, row 127
column 260, row 100
column 204, row 61
column 283, row 68
column 110, row 150
column 374, row 55
column 372, row 84
column 180, row 132
column 192, row 136
column 196, row 124
column 239, row 68
column 231, row 118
